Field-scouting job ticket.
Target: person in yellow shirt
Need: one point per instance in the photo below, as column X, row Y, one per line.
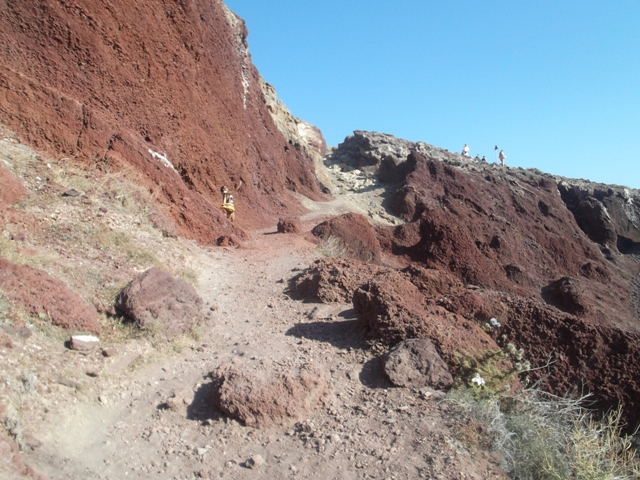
column 228, row 206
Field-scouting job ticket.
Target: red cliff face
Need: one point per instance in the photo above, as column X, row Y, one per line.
column 109, row 83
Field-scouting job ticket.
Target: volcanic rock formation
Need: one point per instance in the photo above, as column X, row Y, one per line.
column 553, row 259
column 167, row 89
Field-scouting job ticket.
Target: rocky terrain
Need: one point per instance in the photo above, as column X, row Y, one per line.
column 164, row 89
column 331, row 330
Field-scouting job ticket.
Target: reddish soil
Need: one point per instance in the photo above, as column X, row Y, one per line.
column 12, row 190
column 106, row 83
column 40, row 294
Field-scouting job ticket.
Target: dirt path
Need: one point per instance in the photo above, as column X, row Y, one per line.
column 125, row 432
column 145, row 412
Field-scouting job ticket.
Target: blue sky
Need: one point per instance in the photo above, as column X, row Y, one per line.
column 556, row 84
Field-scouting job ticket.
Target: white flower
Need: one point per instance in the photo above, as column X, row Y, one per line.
column 494, row 322
column 477, row 379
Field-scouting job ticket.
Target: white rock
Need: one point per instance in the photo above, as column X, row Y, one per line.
column 84, row 343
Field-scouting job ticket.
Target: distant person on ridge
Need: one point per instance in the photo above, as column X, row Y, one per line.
column 484, row 159
column 465, row 150
column 502, row 157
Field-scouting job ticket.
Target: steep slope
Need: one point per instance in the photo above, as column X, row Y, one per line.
column 110, row 83
column 553, row 259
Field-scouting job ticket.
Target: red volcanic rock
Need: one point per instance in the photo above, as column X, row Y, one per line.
column 168, row 89
column 289, row 225
column 280, row 400
column 415, row 363
column 163, row 223
column 432, row 282
column 38, row 293
column 84, row 343
column 5, row 341
column 586, row 358
column 566, row 294
column 334, row 279
column 356, row 232
column 509, row 230
column 395, row 310
column 12, row 190
column 157, row 300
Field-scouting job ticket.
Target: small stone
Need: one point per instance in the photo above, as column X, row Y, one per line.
column 65, row 381
column 103, row 399
column 71, row 193
column 110, row 351
column 84, row 343
column 335, row 438
column 255, row 461
column 202, row 451
column 5, row 341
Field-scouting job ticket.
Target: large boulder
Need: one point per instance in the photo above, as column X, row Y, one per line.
column 157, row 301
column 38, row 293
column 333, row 280
column 395, row 310
column 356, row 232
column 275, row 399
column 415, row 363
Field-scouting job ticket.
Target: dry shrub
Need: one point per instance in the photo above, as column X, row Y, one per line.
column 332, row 247
column 545, row 437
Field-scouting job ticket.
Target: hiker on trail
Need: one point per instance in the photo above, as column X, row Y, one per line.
column 465, row 150
column 225, row 194
column 227, row 204
column 484, row 159
column 477, row 158
column 502, row 157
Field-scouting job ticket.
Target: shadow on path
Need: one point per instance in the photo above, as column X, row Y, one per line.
column 202, row 407
column 340, row 334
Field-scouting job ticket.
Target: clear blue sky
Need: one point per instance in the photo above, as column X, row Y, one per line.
column 555, row 83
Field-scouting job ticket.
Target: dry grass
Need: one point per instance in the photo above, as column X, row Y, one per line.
column 332, row 247
column 545, row 437
column 121, row 242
